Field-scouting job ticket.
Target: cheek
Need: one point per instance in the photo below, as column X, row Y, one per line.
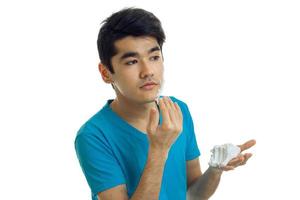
column 160, row 66
column 126, row 81
column 160, row 70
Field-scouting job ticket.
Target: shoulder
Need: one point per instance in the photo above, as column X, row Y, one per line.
column 95, row 123
column 92, row 129
column 90, row 140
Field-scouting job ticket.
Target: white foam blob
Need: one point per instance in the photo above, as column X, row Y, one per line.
column 222, row 154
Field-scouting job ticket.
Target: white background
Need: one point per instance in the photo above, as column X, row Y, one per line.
column 235, row 63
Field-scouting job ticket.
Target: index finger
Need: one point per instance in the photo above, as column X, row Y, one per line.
column 247, row 145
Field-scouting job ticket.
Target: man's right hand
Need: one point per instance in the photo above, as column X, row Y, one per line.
column 162, row 137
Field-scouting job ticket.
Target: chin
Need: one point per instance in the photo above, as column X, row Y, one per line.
column 147, row 99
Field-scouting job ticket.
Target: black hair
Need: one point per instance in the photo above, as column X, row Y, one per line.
column 126, row 22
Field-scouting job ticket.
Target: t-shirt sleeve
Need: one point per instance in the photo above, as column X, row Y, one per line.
column 98, row 162
column 192, row 150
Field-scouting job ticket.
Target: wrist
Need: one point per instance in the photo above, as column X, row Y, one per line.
column 158, row 152
column 215, row 170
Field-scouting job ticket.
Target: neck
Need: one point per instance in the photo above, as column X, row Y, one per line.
column 133, row 111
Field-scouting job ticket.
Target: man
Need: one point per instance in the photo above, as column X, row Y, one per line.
column 141, row 145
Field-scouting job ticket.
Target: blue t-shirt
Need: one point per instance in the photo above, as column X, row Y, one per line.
column 113, row 152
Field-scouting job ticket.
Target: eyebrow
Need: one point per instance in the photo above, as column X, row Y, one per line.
column 135, row 54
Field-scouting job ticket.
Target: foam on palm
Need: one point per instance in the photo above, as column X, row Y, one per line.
column 222, row 154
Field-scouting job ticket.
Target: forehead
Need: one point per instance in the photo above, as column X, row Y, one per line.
column 140, row 44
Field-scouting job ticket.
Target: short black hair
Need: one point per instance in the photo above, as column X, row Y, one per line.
column 126, row 22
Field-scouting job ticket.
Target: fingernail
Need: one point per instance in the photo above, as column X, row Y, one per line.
column 161, row 100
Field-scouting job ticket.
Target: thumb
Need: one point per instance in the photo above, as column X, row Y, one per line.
column 153, row 121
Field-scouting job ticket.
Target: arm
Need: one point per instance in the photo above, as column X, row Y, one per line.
column 151, row 178
column 205, row 185
column 150, row 181
column 201, row 186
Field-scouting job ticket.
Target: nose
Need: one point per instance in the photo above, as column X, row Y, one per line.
column 146, row 70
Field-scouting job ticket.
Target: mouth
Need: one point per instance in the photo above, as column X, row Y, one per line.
column 149, row 83
column 148, row 86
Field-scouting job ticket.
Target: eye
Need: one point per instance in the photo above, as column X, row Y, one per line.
column 131, row 62
column 155, row 58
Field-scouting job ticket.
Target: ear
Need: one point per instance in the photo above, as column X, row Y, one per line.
column 105, row 73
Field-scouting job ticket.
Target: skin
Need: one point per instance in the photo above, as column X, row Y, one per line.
column 138, row 108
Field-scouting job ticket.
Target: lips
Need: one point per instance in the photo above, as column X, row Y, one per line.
column 149, row 83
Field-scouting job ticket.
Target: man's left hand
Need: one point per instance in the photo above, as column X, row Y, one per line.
column 242, row 158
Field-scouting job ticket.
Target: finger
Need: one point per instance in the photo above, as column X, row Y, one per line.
column 178, row 109
column 164, row 112
column 176, row 112
column 247, row 156
column 247, row 145
column 153, row 121
column 236, row 161
column 179, row 113
column 174, row 109
column 178, row 117
column 170, row 107
column 172, row 104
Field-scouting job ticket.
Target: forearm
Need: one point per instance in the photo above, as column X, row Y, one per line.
column 204, row 187
column 150, row 182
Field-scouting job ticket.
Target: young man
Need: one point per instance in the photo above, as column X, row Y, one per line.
column 140, row 145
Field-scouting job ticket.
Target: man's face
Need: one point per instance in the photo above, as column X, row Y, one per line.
column 138, row 61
